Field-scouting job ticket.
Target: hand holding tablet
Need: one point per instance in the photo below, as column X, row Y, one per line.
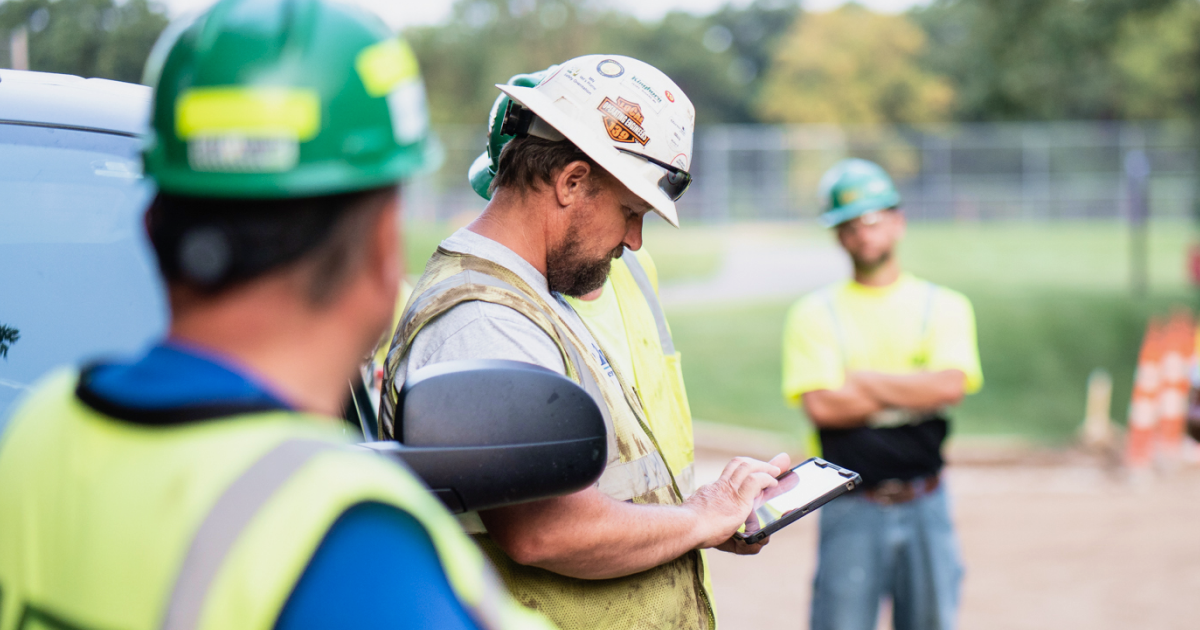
column 800, row 491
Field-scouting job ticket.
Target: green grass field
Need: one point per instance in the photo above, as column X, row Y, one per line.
column 1052, row 303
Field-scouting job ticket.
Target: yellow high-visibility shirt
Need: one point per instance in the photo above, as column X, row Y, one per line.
column 909, row 326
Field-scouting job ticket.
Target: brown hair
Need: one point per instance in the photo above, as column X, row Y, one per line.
column 528, row 162
column 213, row 245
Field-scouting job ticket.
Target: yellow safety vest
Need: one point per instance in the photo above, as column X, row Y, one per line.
column 206, row 525
column 671, row 595
column 655, row 363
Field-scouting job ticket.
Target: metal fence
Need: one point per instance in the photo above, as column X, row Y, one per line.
column 977, row 172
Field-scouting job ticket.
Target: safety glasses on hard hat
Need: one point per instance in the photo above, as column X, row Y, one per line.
column 674, row 183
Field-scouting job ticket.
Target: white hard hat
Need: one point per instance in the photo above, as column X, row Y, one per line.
column 623, row 113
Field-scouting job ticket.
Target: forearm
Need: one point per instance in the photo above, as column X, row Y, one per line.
column 846, row 407
column 920, row 390
column 591, row 536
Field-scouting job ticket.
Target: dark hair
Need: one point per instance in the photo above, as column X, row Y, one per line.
column 528, row 162
column 215, row 244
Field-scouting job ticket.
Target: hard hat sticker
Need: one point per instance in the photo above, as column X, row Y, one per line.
column 385, row 65
column 610, row 68
column 248, row 113
column 410, row 117
column 584, row 83
column 239, row 154
column 654, row 98
column 623, row 120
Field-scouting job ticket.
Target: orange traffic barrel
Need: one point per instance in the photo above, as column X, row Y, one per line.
column 1144, row 406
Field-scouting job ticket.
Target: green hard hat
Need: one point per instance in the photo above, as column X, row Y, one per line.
column 483, row 169
column 852, row 188
column 284, row 98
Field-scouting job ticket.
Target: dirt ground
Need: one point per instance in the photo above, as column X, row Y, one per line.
column 1049, row 543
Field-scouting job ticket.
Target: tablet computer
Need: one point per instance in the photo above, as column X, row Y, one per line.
column 801, row 491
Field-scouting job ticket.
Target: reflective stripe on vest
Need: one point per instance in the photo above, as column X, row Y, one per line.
column 214, row 532
column 657, row 374
column 224, row 524
column 648, row 293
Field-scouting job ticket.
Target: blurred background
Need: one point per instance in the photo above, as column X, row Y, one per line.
column 1047, row 155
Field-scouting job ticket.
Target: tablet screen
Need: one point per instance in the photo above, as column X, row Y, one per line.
column 799, row 487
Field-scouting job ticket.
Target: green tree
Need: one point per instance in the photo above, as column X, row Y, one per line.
column 1155, row 58
column 718, row 60
column 853, row 66
column 1032, row 59
column 90, row 38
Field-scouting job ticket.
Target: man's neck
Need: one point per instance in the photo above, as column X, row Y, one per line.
column 881, row 276
column 277, row 346
column 515, row 222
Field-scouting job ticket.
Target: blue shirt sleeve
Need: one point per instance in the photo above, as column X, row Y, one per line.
column 376, row 568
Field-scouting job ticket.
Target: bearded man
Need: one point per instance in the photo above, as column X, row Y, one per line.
column 875, row 361
column 595, row 146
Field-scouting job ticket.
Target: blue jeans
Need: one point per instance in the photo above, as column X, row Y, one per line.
column 907, row 553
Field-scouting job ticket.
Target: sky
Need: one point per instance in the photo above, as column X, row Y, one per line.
column 402, row 13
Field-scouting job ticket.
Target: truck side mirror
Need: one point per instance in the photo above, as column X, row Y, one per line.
column 488, row 433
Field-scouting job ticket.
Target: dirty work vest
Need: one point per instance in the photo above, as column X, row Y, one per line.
column 108, row 524
column 656, row 369
column 668, row 596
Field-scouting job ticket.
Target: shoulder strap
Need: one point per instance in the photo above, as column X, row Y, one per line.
column 223, row 526
column 471, row 278
column 643, row 281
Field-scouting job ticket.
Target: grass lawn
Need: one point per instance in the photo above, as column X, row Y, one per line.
column 1052, row 303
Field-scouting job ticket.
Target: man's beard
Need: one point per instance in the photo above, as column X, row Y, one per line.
column 864, row 266
column 569, row 273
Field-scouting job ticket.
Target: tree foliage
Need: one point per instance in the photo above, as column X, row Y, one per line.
column 853, row 66
column 1157, row 61
column 1041, row 59
column 718, row 60
column 91, row 38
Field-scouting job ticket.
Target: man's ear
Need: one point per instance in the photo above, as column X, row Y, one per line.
column 571, row 185
column 385, row 258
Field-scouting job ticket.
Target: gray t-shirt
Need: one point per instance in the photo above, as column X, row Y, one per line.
column 481, row 330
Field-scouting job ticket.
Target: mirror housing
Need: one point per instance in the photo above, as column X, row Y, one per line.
column 487, row 433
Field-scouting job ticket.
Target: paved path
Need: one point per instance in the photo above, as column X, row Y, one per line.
column 762, row 266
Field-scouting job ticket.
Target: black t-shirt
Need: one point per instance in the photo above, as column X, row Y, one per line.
column 905, row 452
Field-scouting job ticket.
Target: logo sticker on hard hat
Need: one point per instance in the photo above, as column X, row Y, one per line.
column 584, row 83
column 610, row 68
column 670, row 96
column 655, row 99
column 623, row 120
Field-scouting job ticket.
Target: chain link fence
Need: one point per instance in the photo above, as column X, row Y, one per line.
column 976, row 172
